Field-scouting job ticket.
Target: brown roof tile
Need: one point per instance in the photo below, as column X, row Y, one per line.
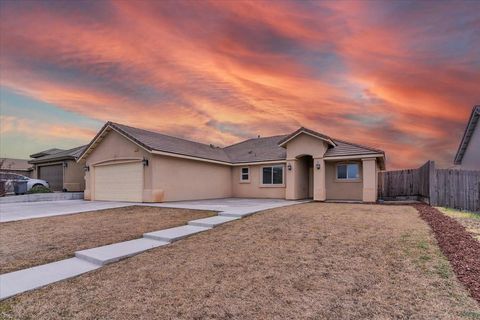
column 161, row 142
column 257, row 149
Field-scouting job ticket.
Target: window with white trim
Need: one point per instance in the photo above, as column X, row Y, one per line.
column 272, row 175
column 245, row 174
column 348, row 171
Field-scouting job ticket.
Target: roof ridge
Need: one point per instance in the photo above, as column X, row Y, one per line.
column 163, row 134
column 237, row 143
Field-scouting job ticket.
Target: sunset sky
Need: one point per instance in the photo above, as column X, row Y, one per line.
column 400, row 76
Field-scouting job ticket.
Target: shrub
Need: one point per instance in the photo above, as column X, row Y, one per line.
column 39, row 189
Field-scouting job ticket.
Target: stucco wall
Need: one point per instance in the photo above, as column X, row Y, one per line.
column 342, row 190
column 471, row 158
column 304, row 144
column 116, row 148
column 254, row 188
column 182, row 179
column 74, row 176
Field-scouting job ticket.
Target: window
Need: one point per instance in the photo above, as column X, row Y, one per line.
column 272, row 175
column 348, row 171
column 245, row 174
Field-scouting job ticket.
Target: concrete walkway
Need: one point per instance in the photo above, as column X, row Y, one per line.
column 17, row 282
column 30, row 210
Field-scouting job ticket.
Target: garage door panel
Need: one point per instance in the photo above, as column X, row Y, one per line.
column 53, row 174
column 119, row 182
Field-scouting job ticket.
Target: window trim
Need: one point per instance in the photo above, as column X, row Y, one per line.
column 241, row 175
column 272, row 185
column 347, row 179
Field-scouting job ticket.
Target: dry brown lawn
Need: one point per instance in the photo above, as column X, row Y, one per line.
column 33, row 242
column 310, row 261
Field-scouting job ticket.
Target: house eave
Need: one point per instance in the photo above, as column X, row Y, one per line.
column 467, row 134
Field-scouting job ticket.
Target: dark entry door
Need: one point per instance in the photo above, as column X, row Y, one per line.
column 53, row 175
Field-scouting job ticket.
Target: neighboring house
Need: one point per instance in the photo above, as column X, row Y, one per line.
column 468, row 154
column 60, row 169
column 18, row 166
column 130, row 164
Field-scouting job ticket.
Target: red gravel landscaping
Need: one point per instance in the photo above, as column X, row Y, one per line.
column 460, row 248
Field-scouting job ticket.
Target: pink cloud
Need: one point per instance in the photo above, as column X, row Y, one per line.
column 229, row 70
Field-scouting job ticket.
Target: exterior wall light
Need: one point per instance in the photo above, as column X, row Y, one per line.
column 317, row 165
column 65, row 164
column 145, row 162
column 86, row 168
column 289, row 167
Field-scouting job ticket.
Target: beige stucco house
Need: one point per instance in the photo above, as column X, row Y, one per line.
column 123, row 163
column 18, row 166
column 60, row 168
column 468, row 154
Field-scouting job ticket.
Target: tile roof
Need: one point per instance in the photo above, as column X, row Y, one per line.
column 161, row 142
column 73, row 154
column 467, row 135
column 257, row 149
column 45, row 152
column 251, row 150
column 344, row 148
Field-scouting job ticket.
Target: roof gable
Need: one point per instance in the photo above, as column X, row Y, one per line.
column 309, row 132
column 467, row 135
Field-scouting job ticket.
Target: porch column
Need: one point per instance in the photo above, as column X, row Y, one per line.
column 369, row 180
column 319, row 191
column 89, row 182
column 290, row 181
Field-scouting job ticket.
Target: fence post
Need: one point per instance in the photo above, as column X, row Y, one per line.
column 432, row 183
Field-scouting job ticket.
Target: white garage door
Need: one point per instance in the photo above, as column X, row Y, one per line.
column 119, row 182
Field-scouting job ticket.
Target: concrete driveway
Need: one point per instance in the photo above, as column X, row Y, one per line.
column 29, row 210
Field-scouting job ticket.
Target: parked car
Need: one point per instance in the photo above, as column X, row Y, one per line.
column 9, row 179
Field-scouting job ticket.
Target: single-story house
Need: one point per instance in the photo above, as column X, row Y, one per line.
column 59, row 168
column 18, row 166
column 468, row 154
column 123, row 163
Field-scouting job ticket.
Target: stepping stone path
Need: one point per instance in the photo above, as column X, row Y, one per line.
column 211, row 222
column 117, row 251
column 174, row 234
column 32, row 278
column 20, row 281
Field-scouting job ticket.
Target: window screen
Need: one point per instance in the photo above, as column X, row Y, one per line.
column 350, row 171
column 272, row 175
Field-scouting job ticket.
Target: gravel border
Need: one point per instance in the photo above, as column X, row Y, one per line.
column 460, row 248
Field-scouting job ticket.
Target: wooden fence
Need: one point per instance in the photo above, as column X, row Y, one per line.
column 459, row 189
column 452, row 188
column 408, row 184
